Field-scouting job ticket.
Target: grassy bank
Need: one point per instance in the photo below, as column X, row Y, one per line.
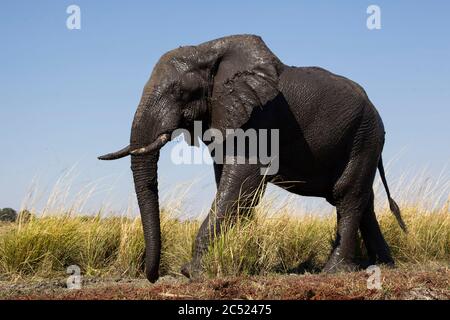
column 44, row 247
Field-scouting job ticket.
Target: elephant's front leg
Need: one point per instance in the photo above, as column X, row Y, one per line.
column 239, row 190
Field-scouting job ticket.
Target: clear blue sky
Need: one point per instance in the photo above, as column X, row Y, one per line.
column 67, row 96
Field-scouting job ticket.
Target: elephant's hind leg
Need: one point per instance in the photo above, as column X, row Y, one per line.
column 377, row 248
column 343, row 254
column 352, row 194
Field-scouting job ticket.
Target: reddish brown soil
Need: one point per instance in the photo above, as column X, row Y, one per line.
column 413, row 283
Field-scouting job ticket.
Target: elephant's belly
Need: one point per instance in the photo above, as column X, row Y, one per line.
column 314, row 187
column 303, row 173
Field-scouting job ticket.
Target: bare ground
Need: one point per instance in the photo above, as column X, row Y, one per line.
column 408, row 282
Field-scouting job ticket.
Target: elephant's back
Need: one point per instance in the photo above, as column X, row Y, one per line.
column 317, row 88
column 327, row 107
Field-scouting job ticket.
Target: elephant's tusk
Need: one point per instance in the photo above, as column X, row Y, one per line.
column 155, row 145
column 116, row 155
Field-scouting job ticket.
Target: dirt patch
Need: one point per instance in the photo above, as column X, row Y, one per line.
column 406, row 283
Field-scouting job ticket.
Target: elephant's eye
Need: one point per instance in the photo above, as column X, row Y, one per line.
column 184, row 95
column 197, row 93
column 190, row 94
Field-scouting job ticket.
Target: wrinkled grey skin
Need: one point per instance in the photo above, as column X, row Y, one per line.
column 331, row 139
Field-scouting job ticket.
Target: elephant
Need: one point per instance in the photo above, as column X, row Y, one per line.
column 330, row 142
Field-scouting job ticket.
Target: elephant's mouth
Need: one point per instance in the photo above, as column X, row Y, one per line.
column 154, row 146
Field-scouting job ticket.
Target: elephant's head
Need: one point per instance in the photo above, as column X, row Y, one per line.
column 219, row 82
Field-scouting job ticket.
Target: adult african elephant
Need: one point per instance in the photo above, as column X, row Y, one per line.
column 330, row 140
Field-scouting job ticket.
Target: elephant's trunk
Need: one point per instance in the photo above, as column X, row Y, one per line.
column 145, row 180
column 148, row 134
column 145, row 175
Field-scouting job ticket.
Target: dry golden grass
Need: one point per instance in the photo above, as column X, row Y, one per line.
column 276, row 240
column 43, row 247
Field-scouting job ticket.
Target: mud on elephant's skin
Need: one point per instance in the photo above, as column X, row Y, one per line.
column 330, row 138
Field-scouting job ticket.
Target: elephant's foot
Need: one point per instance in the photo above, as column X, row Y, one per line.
column 366, row 264
column 336, row 264
column 388, row 263
column 191, row 270
column 386, row 260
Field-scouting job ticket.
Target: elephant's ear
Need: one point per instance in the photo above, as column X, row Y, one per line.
column 246, row 78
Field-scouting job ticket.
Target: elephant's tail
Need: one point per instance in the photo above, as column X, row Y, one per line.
column 392, row 205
